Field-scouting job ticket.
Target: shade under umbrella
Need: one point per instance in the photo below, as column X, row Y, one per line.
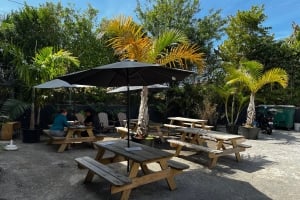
column 126, row 73
column 131, row 88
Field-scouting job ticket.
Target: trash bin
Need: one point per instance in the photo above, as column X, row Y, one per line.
column 284, row 117
column 297, row 119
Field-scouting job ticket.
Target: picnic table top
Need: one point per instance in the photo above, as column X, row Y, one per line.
column 137, row 152
column 213, row 134
column 185, row 119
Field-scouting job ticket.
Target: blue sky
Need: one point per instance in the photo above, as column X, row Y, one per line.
column 280, row 13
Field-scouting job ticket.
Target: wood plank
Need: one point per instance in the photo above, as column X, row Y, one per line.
column 138, row 181
column 239, row 144
column 177, row 165
column 195, row 146
column 145, row 155
column 103, row 171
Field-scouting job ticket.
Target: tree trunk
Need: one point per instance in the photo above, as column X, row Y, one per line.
column 32, row 115
column 32, row 121
column 251, row 111
column 38, row 118
column 143, row 118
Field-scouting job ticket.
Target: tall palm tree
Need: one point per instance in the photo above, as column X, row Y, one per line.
column 46, row 65
column 171, row 49
column 251, row 75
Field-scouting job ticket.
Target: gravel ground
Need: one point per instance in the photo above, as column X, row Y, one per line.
column 269, row 170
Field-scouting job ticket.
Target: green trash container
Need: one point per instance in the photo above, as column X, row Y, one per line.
column 284, row 117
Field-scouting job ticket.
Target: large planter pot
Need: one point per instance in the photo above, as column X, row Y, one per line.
column 232, row 129
column 149, row 141
column 249, row 132
column 31, row 135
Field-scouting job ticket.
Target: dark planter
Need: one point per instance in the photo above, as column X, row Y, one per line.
column 31, row 135
column 249, row 132
column 149, row 141
column 232, row 129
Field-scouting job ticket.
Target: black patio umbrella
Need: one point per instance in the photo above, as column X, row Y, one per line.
column 126, row 73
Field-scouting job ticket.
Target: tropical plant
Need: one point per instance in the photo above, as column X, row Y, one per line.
column 234, row 101
column 251, row 75
column 46, row 65
column 171, row 49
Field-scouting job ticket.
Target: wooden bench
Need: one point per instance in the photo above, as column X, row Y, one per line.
column 53, row 139
column 103, row 171
column 206, row 127
column 242, row 145
column 177, row 166
column 213, row 154
column 63, row 140
column 170, row 128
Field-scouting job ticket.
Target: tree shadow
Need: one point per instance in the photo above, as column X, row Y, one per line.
column 191, row 184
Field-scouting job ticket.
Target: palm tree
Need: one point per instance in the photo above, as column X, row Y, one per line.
column 171, row 49
column 251, row 75
column 46, row 65
column 234, row 101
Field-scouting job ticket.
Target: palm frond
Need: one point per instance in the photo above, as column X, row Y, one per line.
column 169, row 38
column 182, row 53
column 125, row 29
column 14, row 108
column 274, row 75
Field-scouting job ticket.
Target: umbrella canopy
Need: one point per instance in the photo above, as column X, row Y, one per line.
column 126, row 73
column 57, row 83
column 131, row 88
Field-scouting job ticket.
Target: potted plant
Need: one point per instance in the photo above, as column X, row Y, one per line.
column 234, row 101
column 251, row 76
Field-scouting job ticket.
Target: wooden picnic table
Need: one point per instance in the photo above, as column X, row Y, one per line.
column 73, row 136
column 225, row 143
column 153, row 129
column 183, row 121
column 139, row 156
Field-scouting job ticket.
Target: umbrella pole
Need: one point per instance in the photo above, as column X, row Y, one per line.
column 128, row 116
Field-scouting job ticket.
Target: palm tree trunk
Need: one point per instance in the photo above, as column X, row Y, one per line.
column 251, row 111
column 32, row 115
column 32, row 121
column 143, row 118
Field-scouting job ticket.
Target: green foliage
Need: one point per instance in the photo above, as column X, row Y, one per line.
column 46, row 65
column 247, row 37
column 31, row 29
column 14, row 108
column 251, row 76
column 158, row 15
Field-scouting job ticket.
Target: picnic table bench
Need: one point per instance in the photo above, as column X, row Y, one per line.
column 139, row 156
column 196, row 138
column 73, row 136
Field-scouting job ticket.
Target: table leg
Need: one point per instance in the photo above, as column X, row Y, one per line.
column 237, row 154
column 100, row 154
column 179, row 147
column 170, row 179
column 219, row 144
column 64, row 146
column 133, row 173
column 160, row 134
